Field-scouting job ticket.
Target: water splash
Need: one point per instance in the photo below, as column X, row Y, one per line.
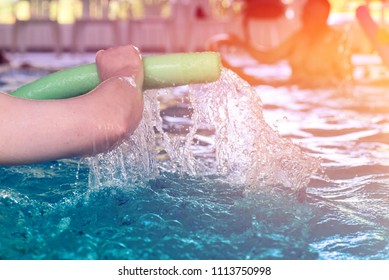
column 134, row 162
column 228, row 138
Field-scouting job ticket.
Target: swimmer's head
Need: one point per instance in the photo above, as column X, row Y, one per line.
column 315, row 15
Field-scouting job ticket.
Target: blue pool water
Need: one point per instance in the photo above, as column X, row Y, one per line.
column 178, row 203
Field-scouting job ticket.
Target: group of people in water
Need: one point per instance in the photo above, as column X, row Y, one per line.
column 35, row 131
column 313, row 52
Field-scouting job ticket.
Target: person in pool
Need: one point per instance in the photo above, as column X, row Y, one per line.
column 42, row 130
column 313, row 51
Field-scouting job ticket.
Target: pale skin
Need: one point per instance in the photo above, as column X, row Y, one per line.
column 35, row 131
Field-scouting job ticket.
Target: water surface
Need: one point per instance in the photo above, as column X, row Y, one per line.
column 218, row 191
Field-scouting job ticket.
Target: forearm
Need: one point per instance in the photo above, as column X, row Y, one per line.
column 36, row 131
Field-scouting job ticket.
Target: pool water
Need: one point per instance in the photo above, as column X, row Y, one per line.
column 205, row 196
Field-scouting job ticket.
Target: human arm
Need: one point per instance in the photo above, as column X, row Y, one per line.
column 218, row 42
column 42, row 130
column 275, row 54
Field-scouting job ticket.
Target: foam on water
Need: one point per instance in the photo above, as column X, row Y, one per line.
column 240, row 146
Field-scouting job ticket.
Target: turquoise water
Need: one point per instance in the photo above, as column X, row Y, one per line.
column 228, row 189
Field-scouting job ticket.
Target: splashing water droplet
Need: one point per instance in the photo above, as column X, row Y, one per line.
column 242, row 147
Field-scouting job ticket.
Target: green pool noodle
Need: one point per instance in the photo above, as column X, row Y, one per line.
column 160, row 71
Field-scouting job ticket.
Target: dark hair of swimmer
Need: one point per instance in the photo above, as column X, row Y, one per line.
column 315, row 15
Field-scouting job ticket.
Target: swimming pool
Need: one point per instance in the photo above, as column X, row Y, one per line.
column 104, row 208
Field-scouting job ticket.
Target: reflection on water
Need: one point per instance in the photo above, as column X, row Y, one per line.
column 348, row 132
column 47, row 213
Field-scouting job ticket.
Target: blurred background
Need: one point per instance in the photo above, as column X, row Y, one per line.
column 157, row 25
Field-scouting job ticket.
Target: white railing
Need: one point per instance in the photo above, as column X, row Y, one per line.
column 186, row 31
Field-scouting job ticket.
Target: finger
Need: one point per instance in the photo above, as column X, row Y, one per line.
column 120, row 61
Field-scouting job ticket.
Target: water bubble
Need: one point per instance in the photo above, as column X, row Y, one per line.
column 174, row 225
column 151, row 222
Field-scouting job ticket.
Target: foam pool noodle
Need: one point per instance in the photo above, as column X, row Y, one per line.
column 160, row 71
